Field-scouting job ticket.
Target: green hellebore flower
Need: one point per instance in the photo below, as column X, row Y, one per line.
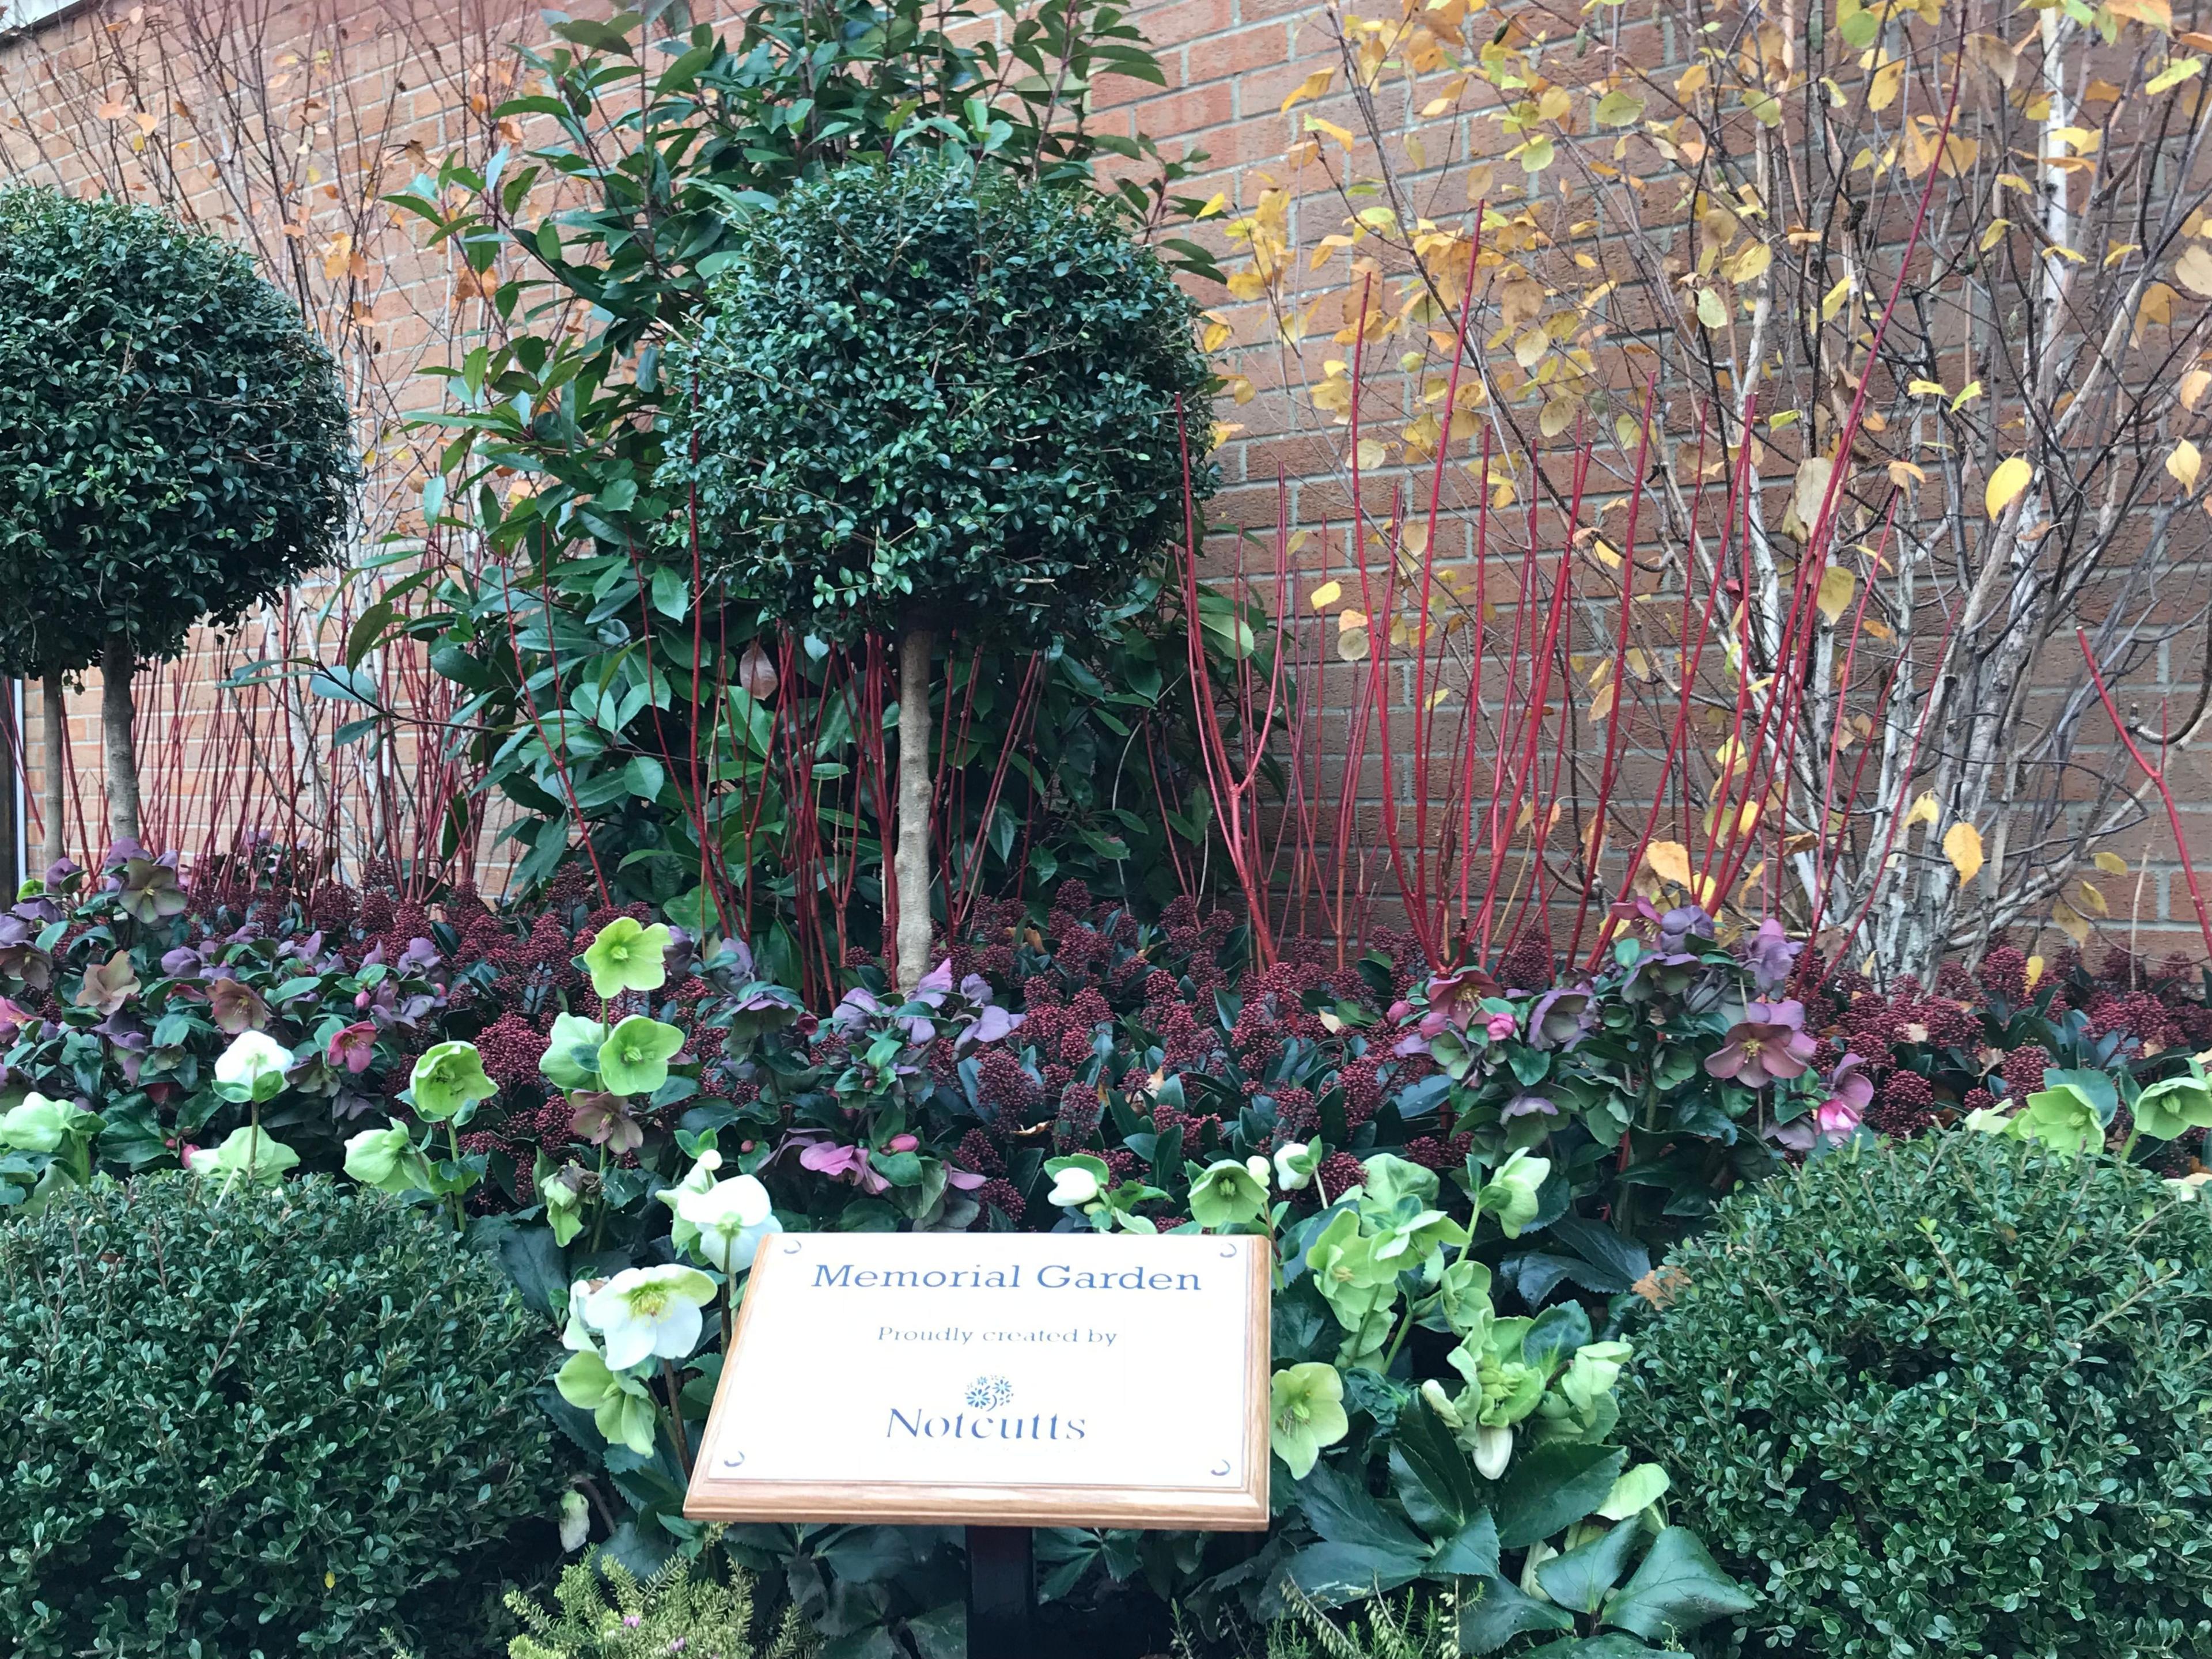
column 386, row 1159
column 246, row 1151
column 634, row 1060
column 563, row 1202
column 1636, row 1491
column 449, row 1076
column 2165, row 1111
column 1411, row 1242
column 2063, row 1119
column 1511, row 1194
column 1347, row 1272
column 1463, row 1299
column 572, row 1055
column 1390, row 1178
column 1305, row 1413
column 1593, row 1371
column 619, row 1405
column 40, row 1125
column 627, row 957
column 1226, row 1195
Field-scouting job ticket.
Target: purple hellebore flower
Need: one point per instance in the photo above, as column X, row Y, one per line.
column 1772, row 955
column 352, row 1047
column 1560, row 1018
column 854, row 1009
column 936, row 985
column 38, row 909
column 1851, row 1085
column 21, row 957
column 990, row 1024
column 1769, row 1043
column 420, row 957
column 1682, row 924
column 183, row 963
column 14, row 1017
column 1500, row 1026
column 604, row 1119
column 1455, row 1000
column 121, row 850
column 678, row 954
column 1526, row 1106
column 235, row 1007
column 62, row 870
column 1635, row 916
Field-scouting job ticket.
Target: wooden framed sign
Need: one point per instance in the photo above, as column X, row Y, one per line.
column 1003, row 1379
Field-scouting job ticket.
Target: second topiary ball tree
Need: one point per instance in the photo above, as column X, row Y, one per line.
column 174, row 449
column 929, row 399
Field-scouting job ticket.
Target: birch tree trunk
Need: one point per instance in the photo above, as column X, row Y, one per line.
column 910, row 870
column 56, row 722
column 117, row 716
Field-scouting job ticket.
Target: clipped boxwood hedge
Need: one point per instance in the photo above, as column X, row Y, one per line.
column 253, row 1422
column 1948, row 1397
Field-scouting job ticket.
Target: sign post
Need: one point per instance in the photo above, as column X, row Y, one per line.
column 998, row 1382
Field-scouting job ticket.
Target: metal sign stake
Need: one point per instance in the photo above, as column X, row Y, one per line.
column 1002, row 1593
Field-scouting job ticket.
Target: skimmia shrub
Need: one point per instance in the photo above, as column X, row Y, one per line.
column 242, row 1420
column 1946, row 1397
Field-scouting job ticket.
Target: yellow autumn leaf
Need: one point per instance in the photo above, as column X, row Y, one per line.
column 1600, row 704
column 2070, row 921
column 1372, row 453
column 2174, row 74
column 2092, row 899
column 1923, row 811
column 2006, row 483
column 2034, row 971
column 2184, row 464
column 2193, row 270
column 1838, row 585
column 1669, row 861
column 1327, row 595
column 1962, row 845
column 1619, row 109
column 1711, row 312
column 1309, row 89
column 2110, row 863
column 1351, row 645
column 1217, row 335
column 2194, row 384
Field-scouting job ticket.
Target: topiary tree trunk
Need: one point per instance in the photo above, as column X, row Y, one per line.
column 117, row 716
column 910, row 867
column 57, row 733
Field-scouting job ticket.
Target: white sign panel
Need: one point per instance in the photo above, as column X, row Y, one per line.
column 1013, row 1379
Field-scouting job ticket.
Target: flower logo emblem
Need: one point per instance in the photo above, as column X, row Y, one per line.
column 987, row 1392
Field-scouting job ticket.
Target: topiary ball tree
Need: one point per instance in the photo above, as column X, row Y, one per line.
column 174, row 449
column 925, row 399
column 1943, row 1398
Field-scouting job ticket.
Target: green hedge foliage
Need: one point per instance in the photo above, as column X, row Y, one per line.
column 259, row 1421
column 1946, row 1397
column 924, row 397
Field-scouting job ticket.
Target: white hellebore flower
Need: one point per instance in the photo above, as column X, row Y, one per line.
column 575, row 1522
column 649, row 1313
column 1294, row 1166
column 1493, row 1450
column 1259, row 1167
column 1073, row 1188
column 241, row 1073
column 732, row 1217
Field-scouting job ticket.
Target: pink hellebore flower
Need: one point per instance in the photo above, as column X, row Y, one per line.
column 827, row 1157
column 352, row 1047
column 1835, row 1119
column 901, row 1143
column 1501, row 1026
column 1770, row 1043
